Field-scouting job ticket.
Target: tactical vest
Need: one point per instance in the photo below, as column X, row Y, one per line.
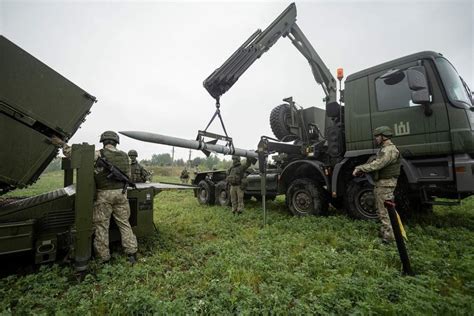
column 390, row 171
column 136, row 171
column 235, row 175
column 117, row 158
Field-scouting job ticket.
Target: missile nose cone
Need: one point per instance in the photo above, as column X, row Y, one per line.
column 126, row 133
column 133, row 134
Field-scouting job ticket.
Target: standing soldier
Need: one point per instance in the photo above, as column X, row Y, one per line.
column 235, row 175
column 184, row 176
column 385, row 169
column 110, row 198
column 139, row 174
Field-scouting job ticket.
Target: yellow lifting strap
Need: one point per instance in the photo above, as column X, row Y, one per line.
column 402, row 229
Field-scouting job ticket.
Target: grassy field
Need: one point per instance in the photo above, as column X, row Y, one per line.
column 204, row 260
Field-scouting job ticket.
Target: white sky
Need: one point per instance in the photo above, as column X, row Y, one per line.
column 145, row 61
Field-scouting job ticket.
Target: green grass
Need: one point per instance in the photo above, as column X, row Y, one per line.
column 204, row 260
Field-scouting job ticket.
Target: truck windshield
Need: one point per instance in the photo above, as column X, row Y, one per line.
column 457, row 92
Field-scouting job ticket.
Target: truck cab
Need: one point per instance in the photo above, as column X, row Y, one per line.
column 435, row 136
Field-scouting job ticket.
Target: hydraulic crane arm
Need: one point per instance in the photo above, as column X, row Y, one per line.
column 224, row 77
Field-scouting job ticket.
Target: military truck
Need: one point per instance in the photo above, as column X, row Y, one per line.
column 37, row 103
column 421, row 97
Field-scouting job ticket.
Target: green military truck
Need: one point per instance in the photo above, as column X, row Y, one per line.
column 421, row 97
column 37, row 103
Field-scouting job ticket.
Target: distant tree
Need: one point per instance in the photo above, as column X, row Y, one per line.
column 179, row 162
column 54, row 165
column 161, row 159
column 197, row 161
column 224, row 164
column 211, row 161
column 145, row 162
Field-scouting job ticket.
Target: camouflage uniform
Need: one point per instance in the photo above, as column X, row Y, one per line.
column 110, row 201
column 235, row 177
column 139, row 174
column 184, row 176
column 387, row 157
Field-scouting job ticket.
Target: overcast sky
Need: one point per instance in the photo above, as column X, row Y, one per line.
column 145, row 61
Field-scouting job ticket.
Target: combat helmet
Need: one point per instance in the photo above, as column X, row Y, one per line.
column 132, row 153
column 384, row 131
column 109, row 135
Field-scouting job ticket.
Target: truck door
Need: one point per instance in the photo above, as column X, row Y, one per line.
column 415, row 133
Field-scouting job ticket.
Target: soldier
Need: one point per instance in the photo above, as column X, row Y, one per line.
column 184, row 176
column 110, row 200
column 139, row 174
column 385, row 169
column 235, row 177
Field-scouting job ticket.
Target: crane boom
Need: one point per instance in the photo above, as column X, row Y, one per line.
column 224, row 77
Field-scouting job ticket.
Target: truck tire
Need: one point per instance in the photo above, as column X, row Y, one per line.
column 359, row 200
column 222, row 194
column 279, row 118
column 305, row 197
column 409, row 204
column 205, row 193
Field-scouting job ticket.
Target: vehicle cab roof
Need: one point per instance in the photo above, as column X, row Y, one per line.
column 392, row 64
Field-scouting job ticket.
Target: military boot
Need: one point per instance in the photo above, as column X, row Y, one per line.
column 132, row 258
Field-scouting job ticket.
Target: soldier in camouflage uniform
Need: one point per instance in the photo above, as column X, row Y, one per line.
column 139, row 174
column 110, row 200
column 385, row 169
column 184, row 176
column 235, row 177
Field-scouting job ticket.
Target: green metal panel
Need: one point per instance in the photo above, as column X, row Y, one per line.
column 24, row 153
column 315, row 116
column 141, row 207
column 83, row 161
column 35, row 103
column 16, row 236
column 37, row 91
column 357, row 115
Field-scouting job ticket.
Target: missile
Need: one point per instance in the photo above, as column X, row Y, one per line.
column 189, row 144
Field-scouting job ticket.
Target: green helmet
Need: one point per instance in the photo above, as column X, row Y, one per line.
column 235, row 158
column 383, row 130
column 109, row 135
column 133, row 153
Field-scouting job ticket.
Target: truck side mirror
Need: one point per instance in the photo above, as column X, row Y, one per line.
column 418, row 86
column 393, row 77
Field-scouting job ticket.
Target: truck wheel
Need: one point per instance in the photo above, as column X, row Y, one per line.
column 409, row 203
column 359, row 200
column 205, row 193
column 222, row 194
column 305, row 197
column 279, row 122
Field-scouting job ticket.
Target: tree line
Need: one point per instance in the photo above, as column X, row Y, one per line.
column 213, row 161
column 164, row 160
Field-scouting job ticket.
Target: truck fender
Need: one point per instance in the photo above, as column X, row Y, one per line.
column 406, row 167
column 409, row 170
column 303, row 169
column 335, row 174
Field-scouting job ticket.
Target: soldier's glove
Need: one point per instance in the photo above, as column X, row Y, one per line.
column 56, row 141
column 357, row 173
